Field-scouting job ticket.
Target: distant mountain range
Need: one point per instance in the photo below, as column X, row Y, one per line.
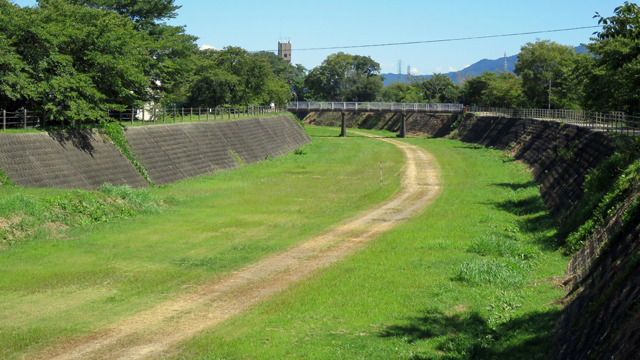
column 475, row 69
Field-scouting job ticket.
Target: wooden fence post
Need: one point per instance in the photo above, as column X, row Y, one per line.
column 4, row 120
column 132, row 115
column 25, row 118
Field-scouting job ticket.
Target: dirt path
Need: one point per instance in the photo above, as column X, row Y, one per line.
column 153, row 333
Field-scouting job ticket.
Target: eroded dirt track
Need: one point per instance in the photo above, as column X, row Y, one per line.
column 153, row 333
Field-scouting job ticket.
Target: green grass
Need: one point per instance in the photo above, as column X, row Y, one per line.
column 54, row 288
column 468, row 279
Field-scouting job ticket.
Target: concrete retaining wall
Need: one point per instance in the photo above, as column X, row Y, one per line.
column 75, row 159
column 171, row 152
column 179, row 151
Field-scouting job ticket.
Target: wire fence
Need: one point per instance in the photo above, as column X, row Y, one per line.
column 613, row 121
column 24, row 119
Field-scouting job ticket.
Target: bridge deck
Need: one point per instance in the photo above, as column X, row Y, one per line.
column 374, row 106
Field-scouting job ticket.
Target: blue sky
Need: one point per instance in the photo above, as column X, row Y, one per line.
column 258, row 25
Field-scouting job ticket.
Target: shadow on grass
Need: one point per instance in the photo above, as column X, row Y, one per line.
column 518, row 186
column 527, row 206
column 533, row 217
column 469, row 335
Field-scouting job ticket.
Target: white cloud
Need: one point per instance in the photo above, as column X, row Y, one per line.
column 415, row 71
column 438, row 69
column 451, row 68
column 207, row 47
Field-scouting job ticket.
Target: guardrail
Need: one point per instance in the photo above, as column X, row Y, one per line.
column 613, row 121
column 373, row 106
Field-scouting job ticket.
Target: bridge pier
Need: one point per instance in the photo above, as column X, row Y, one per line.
column 403, row 125
column 343, row 132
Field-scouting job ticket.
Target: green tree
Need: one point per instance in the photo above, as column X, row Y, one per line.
column 16, row 86
column 614, row 81
column 233, row 76
column 170, row 49
column 146, row 14
column 289, row 73
column 544, row 66
column 440, row 88
column 345, row 77
column 401, row 93
column 76, row 63
column 474, row 87
column 503, row 90
column 494, row 90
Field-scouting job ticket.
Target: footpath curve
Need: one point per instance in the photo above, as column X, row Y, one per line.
column 154, row 332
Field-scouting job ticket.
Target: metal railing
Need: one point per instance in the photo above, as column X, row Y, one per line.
column 614, row 121
column 373, row 106
column 24, row 119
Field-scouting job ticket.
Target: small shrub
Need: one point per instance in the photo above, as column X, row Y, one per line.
column 4, row 180
column 300, row 151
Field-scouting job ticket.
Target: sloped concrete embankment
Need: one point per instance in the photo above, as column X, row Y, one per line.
column 84, row 159
column 80, row 159
column 601, row 316
column 175, row 152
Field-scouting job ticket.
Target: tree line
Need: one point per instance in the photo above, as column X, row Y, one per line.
column 78, row 60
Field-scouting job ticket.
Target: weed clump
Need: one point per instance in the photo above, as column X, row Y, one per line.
column 501, row 272
column 25, row 217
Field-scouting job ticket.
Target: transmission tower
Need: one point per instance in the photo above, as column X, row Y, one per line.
column 505, row 61
column 399, row 67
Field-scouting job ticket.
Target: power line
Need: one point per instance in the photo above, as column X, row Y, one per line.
column 448, row 40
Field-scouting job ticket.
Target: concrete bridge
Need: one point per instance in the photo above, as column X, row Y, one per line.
column 402, row 108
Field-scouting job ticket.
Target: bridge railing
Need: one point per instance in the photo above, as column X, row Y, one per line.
column 612, row 121
column 373, row 106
